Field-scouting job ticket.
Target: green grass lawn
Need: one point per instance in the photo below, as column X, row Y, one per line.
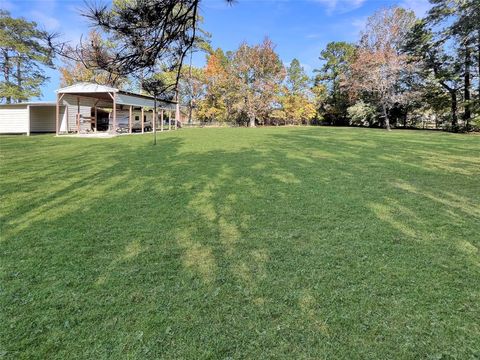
column 241, row 243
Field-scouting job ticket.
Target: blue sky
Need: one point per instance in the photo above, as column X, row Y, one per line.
column 299, row 28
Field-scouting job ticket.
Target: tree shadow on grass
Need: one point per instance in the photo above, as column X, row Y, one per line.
column 287, row 249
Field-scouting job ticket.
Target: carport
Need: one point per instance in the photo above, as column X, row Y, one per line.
column 82, row 102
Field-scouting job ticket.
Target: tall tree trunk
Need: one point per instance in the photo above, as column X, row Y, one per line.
column 453, row 96
column 467, row 115
column 154, row 119
column 252, row 121
column 387, row 120
column 478, row 45
column 6, row 74
column 334, row 99
column 19, row 78
column 190, row 110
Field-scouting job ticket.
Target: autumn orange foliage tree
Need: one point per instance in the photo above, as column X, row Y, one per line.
column 213, row 105
column 242, row 86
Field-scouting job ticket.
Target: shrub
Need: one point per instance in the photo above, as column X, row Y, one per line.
column 361, row 114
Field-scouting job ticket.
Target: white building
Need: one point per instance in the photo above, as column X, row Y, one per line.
column 87, row 107
column 26, row 118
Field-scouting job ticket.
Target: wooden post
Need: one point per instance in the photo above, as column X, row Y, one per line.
column 57, row 119
column 78, row 115
column 96, row 117
column 143, row 123
column 114, row 114
column 169, row 120
column 130, row 114
column 161, row 120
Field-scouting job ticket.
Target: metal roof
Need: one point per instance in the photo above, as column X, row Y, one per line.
column 85, row 87
column 122, row 97
column 32, row 103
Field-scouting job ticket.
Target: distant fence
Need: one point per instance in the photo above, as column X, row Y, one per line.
column 209, row 124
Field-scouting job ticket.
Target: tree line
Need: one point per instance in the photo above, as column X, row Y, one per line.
column 251, row 86
column 403, row 72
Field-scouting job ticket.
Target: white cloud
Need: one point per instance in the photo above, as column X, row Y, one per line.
column 420, row 7
column 341, row 6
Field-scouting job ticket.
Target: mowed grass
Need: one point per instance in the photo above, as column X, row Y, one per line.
column 241, row 243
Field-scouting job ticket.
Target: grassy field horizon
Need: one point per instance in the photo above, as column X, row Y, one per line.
column 308, row 242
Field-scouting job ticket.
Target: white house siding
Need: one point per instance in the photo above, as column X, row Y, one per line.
column 86, row 104
column 14, row 119
column 43, row 118
column 63, row 119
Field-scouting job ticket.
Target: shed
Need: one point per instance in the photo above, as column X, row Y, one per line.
column 29, row 117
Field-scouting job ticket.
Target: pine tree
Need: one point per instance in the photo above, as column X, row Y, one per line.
column 297, row 80
column 336, row 57
column 461, row 21
column 77, row 71
column 297, row 99
column 24, row 53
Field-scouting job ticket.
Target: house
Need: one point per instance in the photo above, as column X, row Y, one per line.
column 90, row 108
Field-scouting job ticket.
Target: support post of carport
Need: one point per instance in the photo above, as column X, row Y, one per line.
column 114, row 113
column 143, row 122
column 161, row 120
column 78, row 115
column 96, row 118
column 57, row 116
column 130, row 114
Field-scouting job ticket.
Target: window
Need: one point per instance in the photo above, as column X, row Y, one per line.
column 137, row 118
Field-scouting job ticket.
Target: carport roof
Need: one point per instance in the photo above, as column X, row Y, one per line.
column 85, row 87
column 102, row 91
